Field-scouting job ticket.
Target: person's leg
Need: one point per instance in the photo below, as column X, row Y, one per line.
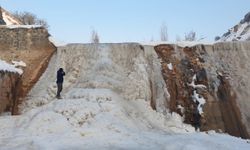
column 59, row 89
column 196, row 127
column 199, row 126
column 57, row 93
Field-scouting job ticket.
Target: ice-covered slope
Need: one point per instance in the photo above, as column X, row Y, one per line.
column 240, row 32
column 106, row 101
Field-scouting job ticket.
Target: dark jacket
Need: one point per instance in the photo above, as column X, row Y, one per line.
column 60, row 74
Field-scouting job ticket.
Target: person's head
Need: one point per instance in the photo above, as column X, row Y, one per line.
column 61, row 69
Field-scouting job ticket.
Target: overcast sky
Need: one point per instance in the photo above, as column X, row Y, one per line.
column 133, row 20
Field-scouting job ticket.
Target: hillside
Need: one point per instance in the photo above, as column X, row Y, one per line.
column 240, row 32
column 135, row 96
column 21, row 43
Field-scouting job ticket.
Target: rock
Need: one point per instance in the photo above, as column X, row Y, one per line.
column 201, row 75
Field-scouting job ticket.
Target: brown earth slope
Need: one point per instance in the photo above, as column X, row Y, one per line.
column 30, row 45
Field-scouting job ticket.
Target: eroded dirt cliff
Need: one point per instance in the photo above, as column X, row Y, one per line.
column 30, row 45
column 9, row 84
column 217, row 70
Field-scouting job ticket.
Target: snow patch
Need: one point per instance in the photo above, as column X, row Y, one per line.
column 196, row 86
column 8, row 19
column 18, row 63
column 10, row 68
column 21, row 26
column 170, row 66
column 198, row 98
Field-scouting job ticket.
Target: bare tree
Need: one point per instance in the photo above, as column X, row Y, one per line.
column 191, row 36
column 94, row 37
column 164, row 32
column 28, row 18
column 42, row 23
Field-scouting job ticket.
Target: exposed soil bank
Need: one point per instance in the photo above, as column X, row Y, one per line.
column 30, row 45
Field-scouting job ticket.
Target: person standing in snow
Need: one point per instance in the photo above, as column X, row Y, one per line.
column 59, row 82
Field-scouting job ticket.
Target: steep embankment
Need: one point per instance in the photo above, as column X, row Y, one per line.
column 9, row 84
column 219, row 74
column 29, row 44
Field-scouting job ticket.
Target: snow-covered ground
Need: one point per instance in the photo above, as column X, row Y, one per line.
column 105, row 105
column 4, row 66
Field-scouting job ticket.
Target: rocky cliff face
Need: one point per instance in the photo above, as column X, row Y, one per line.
column 30, row 45
column 216, row 73
column 9, row 84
